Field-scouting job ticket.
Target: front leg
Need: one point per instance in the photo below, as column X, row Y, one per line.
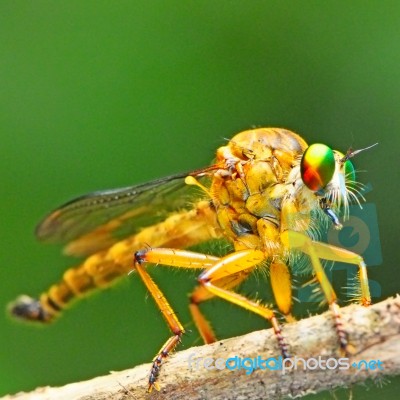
column 316, row 251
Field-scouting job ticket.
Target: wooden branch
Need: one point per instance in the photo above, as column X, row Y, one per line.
column 374, row 334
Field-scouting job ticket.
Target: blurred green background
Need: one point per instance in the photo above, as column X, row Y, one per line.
column 100, row 94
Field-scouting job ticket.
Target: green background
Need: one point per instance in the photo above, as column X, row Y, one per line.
column 101, row 94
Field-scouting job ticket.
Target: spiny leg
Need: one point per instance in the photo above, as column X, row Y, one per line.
column 172, row 321
column 333, row 253
column 186, row 259
column 282, row 287
column 314, row 250
column 200, row 295
column 240, row 261
column 250, row 305
column 292, row 217
column 279, row 274
column 206, row 331
column 233, row 263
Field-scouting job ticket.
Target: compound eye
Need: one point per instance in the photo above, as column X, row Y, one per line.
column 348, row 168
column 317, row 166
column 349, row 171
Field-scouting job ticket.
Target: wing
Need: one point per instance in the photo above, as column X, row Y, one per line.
column 95, row 221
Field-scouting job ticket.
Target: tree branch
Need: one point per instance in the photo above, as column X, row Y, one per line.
column 373, row 332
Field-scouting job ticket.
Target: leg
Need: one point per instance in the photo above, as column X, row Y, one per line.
column 225, row 272
column 244, row 260
column 172, row 321
column 281, row 282
column 183, row 259
column 177, row 258
column 201, row 294
column 333, row 253
column 282, row 287
column 317, row 250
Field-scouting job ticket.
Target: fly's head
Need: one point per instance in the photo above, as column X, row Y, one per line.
column 330, row 175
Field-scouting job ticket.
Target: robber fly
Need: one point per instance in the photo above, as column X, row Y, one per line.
column 268, row 193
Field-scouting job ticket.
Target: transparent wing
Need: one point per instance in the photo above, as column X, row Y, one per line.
column 97, row 220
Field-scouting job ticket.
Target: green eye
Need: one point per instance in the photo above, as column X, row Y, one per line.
column 349, row 171
column 317, row 166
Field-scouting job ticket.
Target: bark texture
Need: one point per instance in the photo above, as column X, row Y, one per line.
column 373, row 332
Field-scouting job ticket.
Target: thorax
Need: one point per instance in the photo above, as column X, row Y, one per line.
column 259, row 171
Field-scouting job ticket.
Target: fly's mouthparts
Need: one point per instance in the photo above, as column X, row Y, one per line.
column 335, row 220
column 331, row 214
